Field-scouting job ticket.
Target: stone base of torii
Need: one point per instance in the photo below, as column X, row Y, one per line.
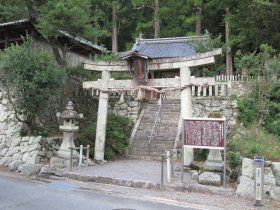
column 184, row 83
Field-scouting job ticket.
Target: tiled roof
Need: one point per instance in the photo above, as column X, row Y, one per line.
column 165, row 47
column 14, row 22
column 63, row 33
column 83, row 41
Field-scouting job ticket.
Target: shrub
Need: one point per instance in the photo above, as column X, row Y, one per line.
column 233, row 159
column 247, row 111
column 32, row 75
column 117, row 135
column 272, row 121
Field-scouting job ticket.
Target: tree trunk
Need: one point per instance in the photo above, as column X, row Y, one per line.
column 56, row 53
column 198, row 14
column 114, row 30
column 229, row 67
column 157, row 19
column 198, row 20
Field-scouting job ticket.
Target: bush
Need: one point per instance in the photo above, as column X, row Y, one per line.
column 31, row 74
column 117, row 135
column 247, row 111
column 272, row 121
column 233, row 159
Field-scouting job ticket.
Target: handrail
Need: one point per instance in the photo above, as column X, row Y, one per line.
column 155, row 123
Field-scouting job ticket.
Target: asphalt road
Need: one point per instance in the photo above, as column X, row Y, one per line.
column 25, row 194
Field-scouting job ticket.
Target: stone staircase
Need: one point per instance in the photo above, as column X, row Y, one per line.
column 164, row 133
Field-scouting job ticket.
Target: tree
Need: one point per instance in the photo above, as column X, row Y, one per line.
column 12, row 10
column 265, row 67
column 63, row 15
column 29, row 75
column 254, row 23
column 52, row 16
column 150, row 15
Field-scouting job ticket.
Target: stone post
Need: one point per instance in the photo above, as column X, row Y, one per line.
column 186, row 107
column 102, row 118
column 214, row 161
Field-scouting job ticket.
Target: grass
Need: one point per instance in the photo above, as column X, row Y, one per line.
column 256, row 141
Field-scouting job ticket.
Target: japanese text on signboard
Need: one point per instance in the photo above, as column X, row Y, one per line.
column 204, row 133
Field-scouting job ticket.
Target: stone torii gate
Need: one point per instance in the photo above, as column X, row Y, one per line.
column 184, row 83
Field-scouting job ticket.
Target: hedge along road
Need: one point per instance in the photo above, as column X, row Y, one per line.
column 24, row 194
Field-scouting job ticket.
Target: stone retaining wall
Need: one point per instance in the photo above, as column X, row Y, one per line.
column 271, row 179
column 202, row 107
column 239, row 88
column 16, row 149
column 128, row 108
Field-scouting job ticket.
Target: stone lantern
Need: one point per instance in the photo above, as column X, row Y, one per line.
column 69, row 127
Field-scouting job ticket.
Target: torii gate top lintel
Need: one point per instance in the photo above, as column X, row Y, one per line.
column 158, row 64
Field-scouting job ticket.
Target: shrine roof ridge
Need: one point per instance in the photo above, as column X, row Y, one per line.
column 171, row 39
column 172, row 47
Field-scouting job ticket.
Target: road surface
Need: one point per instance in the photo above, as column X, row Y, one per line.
column 24, row 194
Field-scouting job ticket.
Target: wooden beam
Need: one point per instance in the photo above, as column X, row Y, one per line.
column 155, row 83
column 6, row 39
column 10, row 40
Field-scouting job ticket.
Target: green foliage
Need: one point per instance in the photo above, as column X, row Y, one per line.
column 31, row 74
column 272, row 121
column 246, row 111
column 79, row 71
column 108, row 57
column 252, row 150
column 233, row 159
column 234, row 162
column 207, row 44
column 66, row 15
column 256, row 141
column 12, row 10
column 262, row 102
column 253, row 23
column 117, row 135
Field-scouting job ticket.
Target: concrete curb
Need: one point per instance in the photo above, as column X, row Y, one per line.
column 114, row 181
column 148, row 185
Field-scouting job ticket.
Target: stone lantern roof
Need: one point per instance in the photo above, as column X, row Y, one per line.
column 69, row 113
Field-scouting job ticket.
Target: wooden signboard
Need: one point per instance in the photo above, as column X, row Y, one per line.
column 206, row 133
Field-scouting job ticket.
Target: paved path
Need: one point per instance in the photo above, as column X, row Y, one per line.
column 117, row 172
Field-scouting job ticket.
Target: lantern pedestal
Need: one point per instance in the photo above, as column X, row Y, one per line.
column 214, row 161
column 68, row 128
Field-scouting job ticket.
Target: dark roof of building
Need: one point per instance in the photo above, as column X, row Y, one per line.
column 165, row 47
column 18, row 28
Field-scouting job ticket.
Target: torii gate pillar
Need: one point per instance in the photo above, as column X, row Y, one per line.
column 102, row 118
column 186, row 107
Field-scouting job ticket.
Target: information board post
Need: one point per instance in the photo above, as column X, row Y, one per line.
column 259, row 179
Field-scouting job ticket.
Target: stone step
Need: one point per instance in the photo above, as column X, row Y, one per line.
column 147, row 153
column 154, row 144
column 166, row 109
column 165, row 101
column 144, row 157
column 164, row 135
column 156, row 138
